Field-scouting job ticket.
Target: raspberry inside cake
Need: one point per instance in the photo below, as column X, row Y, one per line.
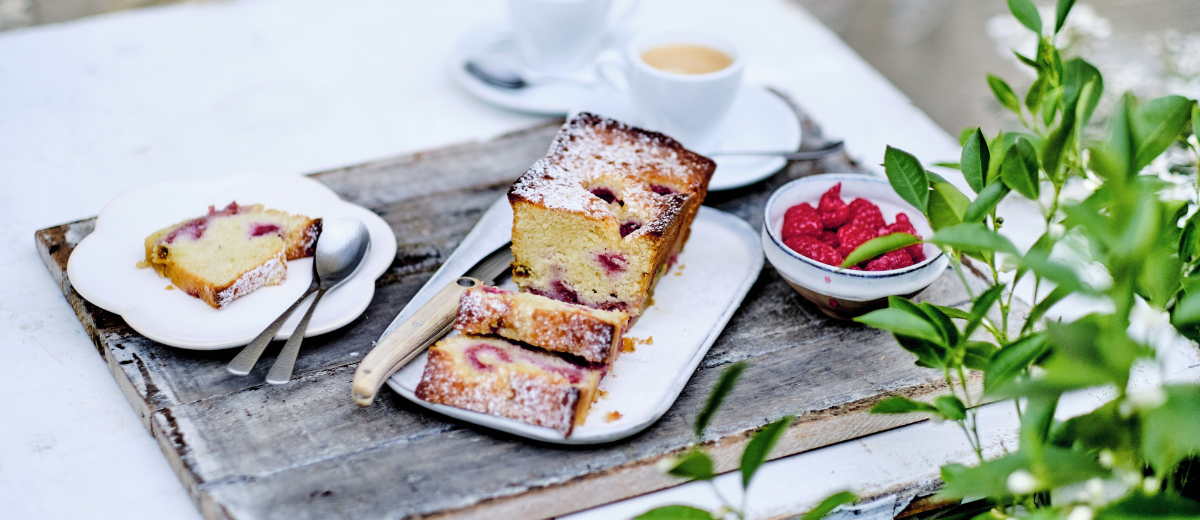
column 230, row 252
column 598, row 220
column 591, row 334
column 496, row 377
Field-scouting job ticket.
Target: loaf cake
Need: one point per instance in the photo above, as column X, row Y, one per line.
column 229, row 253
column 593, row 335
column 601, row 217
column 496, row 377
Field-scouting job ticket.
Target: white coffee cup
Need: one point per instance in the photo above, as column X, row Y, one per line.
column 688, row 107
column 562, row 35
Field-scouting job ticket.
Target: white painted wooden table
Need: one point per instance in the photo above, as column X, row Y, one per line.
column 95, row 107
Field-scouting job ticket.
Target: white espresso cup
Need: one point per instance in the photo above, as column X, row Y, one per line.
column 689, row 107
column 562, row 35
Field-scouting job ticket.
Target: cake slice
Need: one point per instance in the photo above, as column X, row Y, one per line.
column 599, row 219
column 591, row 334
column 229, row 253
column 496, row 377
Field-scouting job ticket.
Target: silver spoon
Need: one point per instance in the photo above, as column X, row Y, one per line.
column 341, row 247
column 497, row 75
column 807, row 155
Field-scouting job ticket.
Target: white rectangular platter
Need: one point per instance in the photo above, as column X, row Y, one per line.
column 692, row 304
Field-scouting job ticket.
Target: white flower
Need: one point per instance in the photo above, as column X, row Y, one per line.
column 1150, row 485
column 1021, row 482
column 1147, row 399
column 1081, row 513
column 1107, row 459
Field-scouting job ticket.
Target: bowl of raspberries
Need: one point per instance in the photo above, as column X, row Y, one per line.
column 812, row 224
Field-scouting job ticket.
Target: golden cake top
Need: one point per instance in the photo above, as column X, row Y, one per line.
column 606, row 169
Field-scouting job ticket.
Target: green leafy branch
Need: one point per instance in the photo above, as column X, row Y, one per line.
column 695, row 464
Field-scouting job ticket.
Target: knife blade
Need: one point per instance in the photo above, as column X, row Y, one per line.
column 428, row 324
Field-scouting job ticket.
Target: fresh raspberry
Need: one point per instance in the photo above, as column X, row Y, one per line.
column 867, row 216
column 834, row 211
column 829, row 237
column 903, row 225
column 815, row 249
column 852, row 236
column 801, row 220
column 892, row 260
column 859, row 204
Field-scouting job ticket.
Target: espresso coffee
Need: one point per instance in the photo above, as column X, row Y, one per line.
column 686, row 59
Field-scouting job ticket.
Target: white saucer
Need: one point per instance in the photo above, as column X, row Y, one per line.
column 103, row 267
column 551, row 98
column 759, row 120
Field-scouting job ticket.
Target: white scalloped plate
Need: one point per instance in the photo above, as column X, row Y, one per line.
column 103, row 267
column 692, row 304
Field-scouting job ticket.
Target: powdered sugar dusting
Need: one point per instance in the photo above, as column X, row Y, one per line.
column 548, row 184
column 273, row 272
column 540, row 321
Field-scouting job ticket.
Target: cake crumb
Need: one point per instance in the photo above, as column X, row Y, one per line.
column 650, row 303
column 648, row 341
column 170, row 287
column 612, row 416
column 627, row 344
column 603, row 394
column 679, row 270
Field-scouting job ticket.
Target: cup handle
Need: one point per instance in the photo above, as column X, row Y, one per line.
column 611, row 69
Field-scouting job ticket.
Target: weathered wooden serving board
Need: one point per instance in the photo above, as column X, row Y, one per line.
column 248, row 450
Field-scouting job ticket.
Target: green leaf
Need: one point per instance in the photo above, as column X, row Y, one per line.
column 1052, row 149
column 1054, row 297
column 1187, row 310
column 973, row 238
column 675, row 513
column 901, row 322
column 724, row 385
column 990, row 478
column 1036, row 66
column 1163, row 506
column 947, row 205
column 1011, row 360
column 978, row 354
column 951, row 165
column 1033, row 98
column 760, row 447
column 1169, row 432
column 952, row 312
column 1114, row 160
column 696, row 465
column 1050, row 105
column 975, row 159
column 1196, row 119
column 929, row 354
column 907, row 176
column 1036, row 421
column 826, row 506
column 878, row 246
column 1157, row 124
column 1064, row 8
column 951, row 407
column 964, row 134
column 897, row 404
column 979, row 309
column 940, row 320
column 991, row 195
column 1062, row 274
column 1019, row 170
column 1027, row 14
column 1004, row 94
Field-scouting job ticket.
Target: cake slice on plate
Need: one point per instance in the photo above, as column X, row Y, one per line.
column 229, row 253
column 593, row 335
column 599, row 220
column 496, row 377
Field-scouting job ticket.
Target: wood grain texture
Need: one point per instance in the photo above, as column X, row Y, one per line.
column 247, row 450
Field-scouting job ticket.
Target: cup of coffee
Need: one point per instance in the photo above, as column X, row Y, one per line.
column 683, row 82
column 562, row 35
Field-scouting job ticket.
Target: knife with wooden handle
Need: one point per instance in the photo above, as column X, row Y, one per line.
column 428, row 324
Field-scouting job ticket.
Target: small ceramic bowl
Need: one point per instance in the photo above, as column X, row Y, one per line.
column 846, row 293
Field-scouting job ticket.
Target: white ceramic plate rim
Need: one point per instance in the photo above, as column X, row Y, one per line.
column 842, row 177
column 103, row 295
column 752, row 242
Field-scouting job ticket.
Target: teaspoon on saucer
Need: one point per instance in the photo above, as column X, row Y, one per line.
column 497, row 75
column 340, row 249
column 807, row 155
